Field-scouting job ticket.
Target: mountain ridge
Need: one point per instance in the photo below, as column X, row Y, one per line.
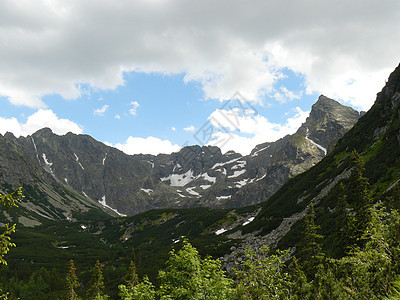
column 103, row 178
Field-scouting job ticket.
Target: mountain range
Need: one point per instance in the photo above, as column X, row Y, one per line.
column 75, row 177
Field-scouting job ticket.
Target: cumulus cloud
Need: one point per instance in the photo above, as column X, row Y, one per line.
column 134, row 105
column 190, row 128
column 42, row 118
column 344, row 49
column 173, row 128
column 241, row 131
column 149, row 145
column 101, row 111
column 284, row 95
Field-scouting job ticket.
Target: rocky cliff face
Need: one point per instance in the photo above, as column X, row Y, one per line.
column 66, row 176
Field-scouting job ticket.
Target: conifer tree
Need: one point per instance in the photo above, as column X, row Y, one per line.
column 301, row 288
column 132, row 277
column 310, row 252
column 96, row 289
column 72, row 282
column 360, row 197
column 341, row 222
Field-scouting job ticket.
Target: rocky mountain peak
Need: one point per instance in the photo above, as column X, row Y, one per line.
column 44, row 132
column 329, row 108
column 328, row 121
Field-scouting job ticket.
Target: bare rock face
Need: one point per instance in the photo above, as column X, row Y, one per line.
column 328, row 121
column 68, row 176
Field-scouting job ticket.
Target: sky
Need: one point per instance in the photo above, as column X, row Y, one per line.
column 153, row 76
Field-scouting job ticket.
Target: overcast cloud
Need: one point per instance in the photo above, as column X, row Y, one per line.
column 345, row 49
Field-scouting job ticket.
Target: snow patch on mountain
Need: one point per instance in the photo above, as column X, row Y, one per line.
column 34, row 145
column 177, row 167
column 205, row 186
column 190, row 191
column 223, row 197
column 225, row 163
column 209, row 178
column 258, row 151
column 48, row 164
column 248, row 221
column 77, row 160
column 103, row 202
column 241, row 183
column 180, row 179
column 262, row 177
column 237, row 173
column 220, row 231
column 147, row 191
column 315, row 144
column 223, row 171
column 241, row 164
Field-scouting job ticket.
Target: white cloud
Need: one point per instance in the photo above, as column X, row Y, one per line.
column 42, row 118
column 190, row 128
column 134, row 105
column 345, row 49
column 284, row 95
column 101, row 111
column 173, row 128
column 241, row 132
column 149, row 145
column 117, row 117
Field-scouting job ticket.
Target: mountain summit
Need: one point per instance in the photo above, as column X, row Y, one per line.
column 328, row 121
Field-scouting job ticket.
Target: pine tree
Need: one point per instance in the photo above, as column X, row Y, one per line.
column 310, row 250
column 72, row 282
column 360, row 197
column 341, row 223
column 132, row 277
column 301, row 288
column 96, row 289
